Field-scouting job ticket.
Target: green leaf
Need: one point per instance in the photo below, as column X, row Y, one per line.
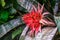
column 8, row 36
column 58, row 23
column 4, row 15
column 3, row 3
column 11, row 16
column 16, row 32
column 12, row 10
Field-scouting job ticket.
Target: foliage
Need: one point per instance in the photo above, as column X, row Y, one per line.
column 16, row 32
column 2, row 2
column 9, row 9
column 4, row 15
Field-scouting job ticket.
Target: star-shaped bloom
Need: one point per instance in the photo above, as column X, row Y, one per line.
column 34, row 19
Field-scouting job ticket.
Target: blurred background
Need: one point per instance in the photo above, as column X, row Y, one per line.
column 11, row 11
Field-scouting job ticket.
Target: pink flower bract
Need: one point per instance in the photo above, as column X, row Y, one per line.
column 32, row 18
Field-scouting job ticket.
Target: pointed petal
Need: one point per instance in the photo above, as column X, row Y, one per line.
column 36, row 30
column 41, row 21
column 42, row 7
column 30, row 33
column 34, row 8
column 45, row 13
column 39, row 8
column 44, row 21
column 40, row 29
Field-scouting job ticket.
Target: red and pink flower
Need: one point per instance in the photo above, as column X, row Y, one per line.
column 34, row 19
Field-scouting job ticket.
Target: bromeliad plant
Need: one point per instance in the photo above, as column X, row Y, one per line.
column 34, row 19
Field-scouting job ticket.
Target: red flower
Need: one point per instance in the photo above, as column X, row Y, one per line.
column 33, row 18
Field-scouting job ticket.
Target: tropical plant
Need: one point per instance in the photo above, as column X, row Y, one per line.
column 10, row 9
